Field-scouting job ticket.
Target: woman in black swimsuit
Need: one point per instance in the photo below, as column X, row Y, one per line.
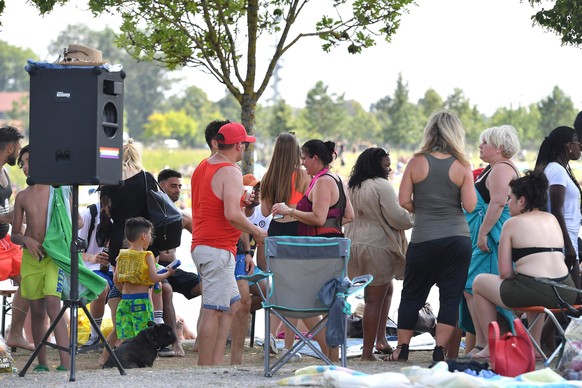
column 531, row 246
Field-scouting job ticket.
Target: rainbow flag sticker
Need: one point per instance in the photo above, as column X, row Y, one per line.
column 108, row 153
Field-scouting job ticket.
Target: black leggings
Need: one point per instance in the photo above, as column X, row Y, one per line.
column 444, row 262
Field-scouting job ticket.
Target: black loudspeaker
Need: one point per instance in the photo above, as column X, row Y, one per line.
column 76, row 126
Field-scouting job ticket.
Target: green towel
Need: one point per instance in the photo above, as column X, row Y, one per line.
column 57, row 244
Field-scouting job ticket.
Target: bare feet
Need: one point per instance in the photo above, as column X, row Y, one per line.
column 384, row 348
column 371, row 357
column 178, row 349
column 19, row 342
column 103, row 359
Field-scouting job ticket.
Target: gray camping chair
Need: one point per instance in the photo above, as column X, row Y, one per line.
column 298, row 267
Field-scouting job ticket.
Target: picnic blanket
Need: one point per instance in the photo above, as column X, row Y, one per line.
column 416, row 376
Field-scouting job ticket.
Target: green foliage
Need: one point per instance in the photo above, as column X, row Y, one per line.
column 563, row 19
column 13, row 78
column 472, row 120
column 525, row 120
column 221, row 36
column 555, row 110
column 325, row 114
column 174, row 124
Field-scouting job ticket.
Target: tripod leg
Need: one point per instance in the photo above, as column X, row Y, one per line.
column 74, row 328
column 44, row 339
column 102, row 338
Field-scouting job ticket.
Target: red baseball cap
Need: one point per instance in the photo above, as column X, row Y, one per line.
column 233, row 133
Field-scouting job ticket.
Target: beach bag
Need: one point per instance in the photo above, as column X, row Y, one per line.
column 165, row 216
column 355, row 328
column 427, row 321
column 511, row 355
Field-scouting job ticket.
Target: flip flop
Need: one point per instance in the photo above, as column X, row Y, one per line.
column 41, row 368
column 62, row 368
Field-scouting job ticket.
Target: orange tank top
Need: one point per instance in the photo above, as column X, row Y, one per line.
column 211, row 227
column 295, row 195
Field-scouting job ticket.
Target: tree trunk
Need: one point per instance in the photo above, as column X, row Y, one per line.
column 248, row 106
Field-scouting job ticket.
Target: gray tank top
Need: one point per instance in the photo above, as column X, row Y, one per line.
column 437, row 204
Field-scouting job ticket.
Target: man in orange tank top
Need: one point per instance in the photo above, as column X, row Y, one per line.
column 217, row 222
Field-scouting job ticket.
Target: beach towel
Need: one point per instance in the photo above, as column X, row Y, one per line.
column 57, row 245
column 482, row 262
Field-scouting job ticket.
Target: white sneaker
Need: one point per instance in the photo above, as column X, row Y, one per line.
column 295, row 358
column 272, row 344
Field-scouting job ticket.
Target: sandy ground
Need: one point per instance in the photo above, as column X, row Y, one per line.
column 181, row 372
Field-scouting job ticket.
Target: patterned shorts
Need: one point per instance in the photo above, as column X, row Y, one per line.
column 133, row 314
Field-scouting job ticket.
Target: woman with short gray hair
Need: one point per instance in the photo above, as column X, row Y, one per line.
column 497, row 146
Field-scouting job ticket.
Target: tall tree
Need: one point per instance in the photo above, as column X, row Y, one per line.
column 430, row 103
column 555, row 110
column 362, row 125
column 222, row 36
column 195, row 103
column 473, row 121
column 13, row 78
column 144, row 84
column 325, row 113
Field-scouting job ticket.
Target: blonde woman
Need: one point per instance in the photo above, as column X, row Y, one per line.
column 436, row 186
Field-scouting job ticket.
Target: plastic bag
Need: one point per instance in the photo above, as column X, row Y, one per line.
column 7, row 364
column 570, row 363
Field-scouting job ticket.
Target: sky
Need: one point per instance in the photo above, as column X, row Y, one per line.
column 487, row 48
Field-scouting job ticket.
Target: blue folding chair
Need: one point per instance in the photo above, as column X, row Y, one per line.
column 298, row 268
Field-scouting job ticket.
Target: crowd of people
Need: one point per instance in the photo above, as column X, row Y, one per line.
column 482, row 236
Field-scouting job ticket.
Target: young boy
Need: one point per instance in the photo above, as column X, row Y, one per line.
column 135, row 272
column 42, row 279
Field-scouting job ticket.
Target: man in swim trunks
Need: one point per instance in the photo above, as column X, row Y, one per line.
column 10, row 253
column 42, row 279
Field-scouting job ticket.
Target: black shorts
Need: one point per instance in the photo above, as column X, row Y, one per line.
column 183, row 282
column 283, row 228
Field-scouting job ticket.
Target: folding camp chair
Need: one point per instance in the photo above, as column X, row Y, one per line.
column 298, row 267
column 565, row 309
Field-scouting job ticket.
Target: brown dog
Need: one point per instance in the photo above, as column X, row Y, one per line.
column 141, row 350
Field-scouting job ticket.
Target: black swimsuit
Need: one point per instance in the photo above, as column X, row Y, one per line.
column 518, row 253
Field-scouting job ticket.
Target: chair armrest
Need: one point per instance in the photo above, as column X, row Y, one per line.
column 358, row 283
column 256, row 277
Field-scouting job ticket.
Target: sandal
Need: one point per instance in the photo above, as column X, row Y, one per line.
column 62, row 368
column 439, row 353
column 476, row 349
column 402, row 354
column 41, row 368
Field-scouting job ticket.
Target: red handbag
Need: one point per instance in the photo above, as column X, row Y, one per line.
column 511, row 355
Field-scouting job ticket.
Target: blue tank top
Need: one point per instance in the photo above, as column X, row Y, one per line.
column 437, row 204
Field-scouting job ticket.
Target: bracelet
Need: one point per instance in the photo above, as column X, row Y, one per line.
column 252, row 253
column 291, row 212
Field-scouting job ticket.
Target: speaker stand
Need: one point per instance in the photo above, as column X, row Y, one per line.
column 73, row 304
